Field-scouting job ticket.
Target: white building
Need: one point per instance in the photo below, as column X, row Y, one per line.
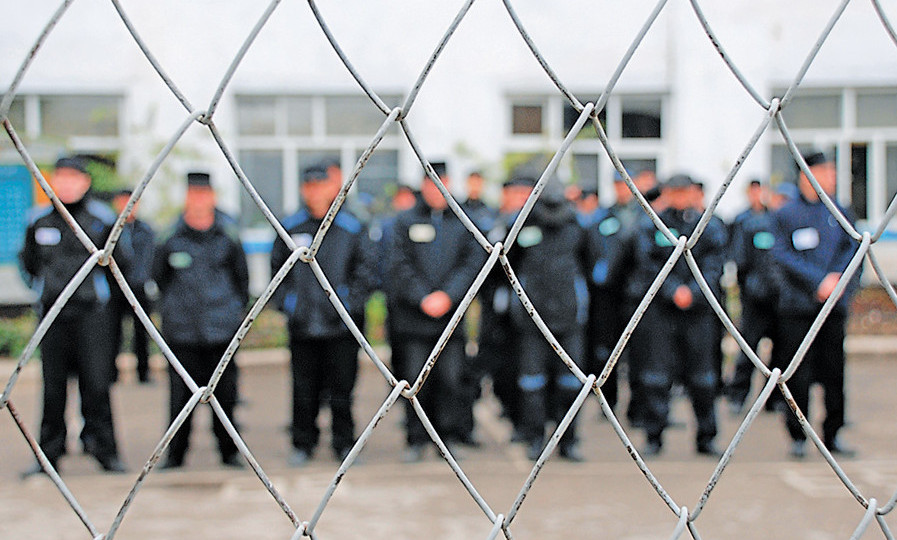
column 486, row 104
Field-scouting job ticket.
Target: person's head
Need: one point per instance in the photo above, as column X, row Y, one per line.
column 588, row 201
column 320, row 186
column 199, row 203
column 475, row 184
column 697, row 195
column 120, row 201
column 756, row 195
column 404, row 198
column 621, row 190
column 678, row 192
column 70, row 179
column 645, row 180
column 430, row 192
column 784, row 192
column 822, row 165
column 514, row 193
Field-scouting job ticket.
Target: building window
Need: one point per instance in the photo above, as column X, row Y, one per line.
column 281, row 135
column 813, row 112
column 876, row 109
column 526, row 119
column 641, row 118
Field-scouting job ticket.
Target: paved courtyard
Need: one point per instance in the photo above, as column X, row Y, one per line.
column 762, row 494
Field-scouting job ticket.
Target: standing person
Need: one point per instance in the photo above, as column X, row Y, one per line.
column 434, row 261
column 759, row 281
column 812, row 250
column 682, row 323
column 498, row 355
column 482, row 215
column 79, row 339
column 203, row 279
column 550, row 258
column 142, row 243
column 323, row 351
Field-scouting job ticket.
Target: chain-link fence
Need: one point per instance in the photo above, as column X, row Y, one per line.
column 500, row 521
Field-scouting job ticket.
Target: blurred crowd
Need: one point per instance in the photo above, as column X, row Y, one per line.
column 584, row 269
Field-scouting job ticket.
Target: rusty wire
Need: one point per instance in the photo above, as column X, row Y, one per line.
column 769, row 116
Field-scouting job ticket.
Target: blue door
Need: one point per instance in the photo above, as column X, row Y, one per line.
column 16, row 198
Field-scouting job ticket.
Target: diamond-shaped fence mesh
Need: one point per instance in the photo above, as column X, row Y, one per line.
column 497, row 522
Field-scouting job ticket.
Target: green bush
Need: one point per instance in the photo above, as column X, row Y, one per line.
column 15, row 333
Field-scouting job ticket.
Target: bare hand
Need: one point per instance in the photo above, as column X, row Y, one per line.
column 683, row 297
column 436, row 304
column 827, row 287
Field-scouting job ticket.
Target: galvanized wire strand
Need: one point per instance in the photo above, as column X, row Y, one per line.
column 238, row 58
column 384, row 108
column 546, row 177
column 250, row 188
column 618, row 72
column 789, row 94
column 541, row 59
column 823, row 196
column 337, row 203
column 51, row 472
column 885, row 21
column 886, row 220
column 381, row 413
column 45, row 186
column 882, row 278
column 250, row 317
column 864, row 523
column 537, row 319
column 151, row 58
column 412, row 95
column 10, row 93
column 154, row 458
column 642, row 307
column 137, row 192
column 496, row 527
column 717, row 44
column 729, row 453
column 884, row 526
column 708, row 213
column 89, row 264
column 550, row 446
column 457, row 315
column 350, row 323
column 828, row 306
column 681, row 524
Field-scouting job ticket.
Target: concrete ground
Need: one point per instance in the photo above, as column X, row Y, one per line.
column 761, row 494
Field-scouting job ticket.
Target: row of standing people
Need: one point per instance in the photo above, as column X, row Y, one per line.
column 583, row 273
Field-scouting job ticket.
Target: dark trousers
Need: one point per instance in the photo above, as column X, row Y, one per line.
column 638, row 353
column 606, row 324
column 547, row 387
column 126, row 315
column 80, row 344
column 441, row 395
column 824, row 362
column 200, row 362
column 498, row 356
column 758, row 321
column 327, row 366
column 680, row 344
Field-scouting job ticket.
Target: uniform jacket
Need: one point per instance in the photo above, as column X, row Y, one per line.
column 550, row 260
column 709, row 252
column 52, row 255
column 430, row 252
column 346, row 257
column 759, row 278
column 203, row 282
column 809, row 244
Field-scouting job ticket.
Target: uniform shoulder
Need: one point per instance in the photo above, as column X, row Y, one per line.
column 295, row 220
column 228, row 225
column 348, row 222
column 101, row 211
column 38, row 212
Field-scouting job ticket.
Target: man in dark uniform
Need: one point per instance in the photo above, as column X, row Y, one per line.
column 682, row 323
column 324, row 353
column 78, row 341
column 812, row 250
column 434, row 261
column 203, row 279
column 759, row 280
column 142, row 240
column 550, row 260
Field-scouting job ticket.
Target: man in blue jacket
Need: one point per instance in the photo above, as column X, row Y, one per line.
column 434, row 261
column 203, row 280
column 324, row 354
column 812, row 250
